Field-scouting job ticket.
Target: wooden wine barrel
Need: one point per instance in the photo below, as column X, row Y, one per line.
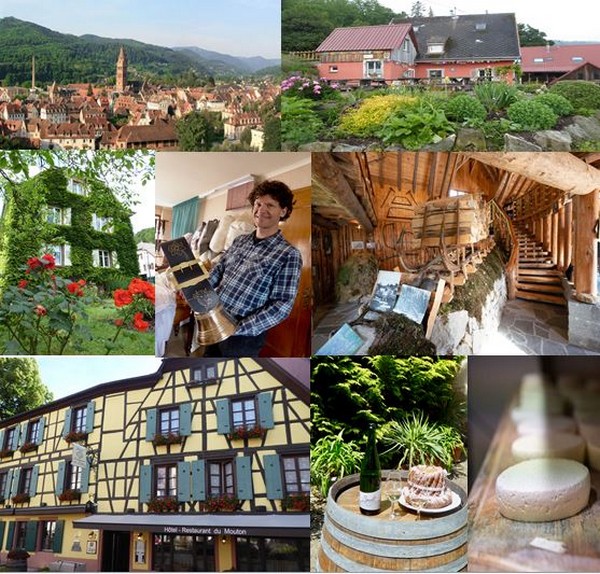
column 353, row 542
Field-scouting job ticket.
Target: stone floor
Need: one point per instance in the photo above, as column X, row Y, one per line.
column 526, row 328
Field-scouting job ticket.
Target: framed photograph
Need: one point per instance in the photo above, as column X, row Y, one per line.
column 91, row 547
column 385, row 291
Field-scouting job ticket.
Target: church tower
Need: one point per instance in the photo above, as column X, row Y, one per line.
column 121, row 71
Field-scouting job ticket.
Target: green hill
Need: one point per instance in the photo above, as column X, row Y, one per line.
column 65, row 58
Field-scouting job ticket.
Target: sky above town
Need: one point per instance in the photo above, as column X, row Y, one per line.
column 67, row 375
column 576, row 20
column 235, row 27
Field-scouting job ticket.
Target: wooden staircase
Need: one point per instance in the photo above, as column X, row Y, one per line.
column 538, row 278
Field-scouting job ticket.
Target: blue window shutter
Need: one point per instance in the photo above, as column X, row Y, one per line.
column 16, row 479
column 185, row 419
column 67, row 427
column 16, row 436
column 273, row 476
column 22, row 435
column 2, row 439
column 243, row 477
column 10, row 536
column 8, row 485
column 150, row 424
column 31, row 535
column 2, row 528
column 89, row 417
column 60, row 477
column 41, row 428
column 223, row 416
column 35, row 471
column 145, row 482
column 184, row 471
column 85, row 478
column 198, row 480
column 265, row 409
column 58, row 537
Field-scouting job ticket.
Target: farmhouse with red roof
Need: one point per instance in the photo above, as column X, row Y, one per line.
column 561, row 62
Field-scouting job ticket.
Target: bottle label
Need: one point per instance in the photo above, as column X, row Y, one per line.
column 370, row 500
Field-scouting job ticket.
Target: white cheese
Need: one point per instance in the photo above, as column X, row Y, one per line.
column 549, row 445
column 543, row 489
column 593, row 450
column 537, row 424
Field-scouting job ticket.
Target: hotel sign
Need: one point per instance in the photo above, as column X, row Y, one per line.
column 206, row 530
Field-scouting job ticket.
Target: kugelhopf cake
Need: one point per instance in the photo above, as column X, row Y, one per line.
column 427, row 487
column 543, row 489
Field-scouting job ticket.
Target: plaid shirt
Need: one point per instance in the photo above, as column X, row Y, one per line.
column 257, row 281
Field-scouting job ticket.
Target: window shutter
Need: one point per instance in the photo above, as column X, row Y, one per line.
column 31, row 535
column 16, row 436
column 35, row 471
column 67, row 427
column 150, row 424
column 67, row 249
column 185, row 419
column 94, row 221
column 1, row 439
column 273, row 476
column 8, row 485
column 183, row 481
column 265, row 409
column 41, row 428
column 85, row 478
column 145, row 482
column 89, row 417
column 243, row 477
column 67, row 216
column 60, row 477
column 23, row 434
column 10, row 535
column 114, row 261
column 58, row 537
column 15, row 484
column 223, row 416
column 198, row 480
column 95, row 258
column 2, row 528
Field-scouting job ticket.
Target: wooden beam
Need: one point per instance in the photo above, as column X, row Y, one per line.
column 561, row 170
column 585, row 257
column 330, row 177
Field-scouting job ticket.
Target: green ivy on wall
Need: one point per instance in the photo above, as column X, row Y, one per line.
column 26, row 230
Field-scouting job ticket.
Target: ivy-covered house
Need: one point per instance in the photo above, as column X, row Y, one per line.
column 83, row 225
column 202, row 466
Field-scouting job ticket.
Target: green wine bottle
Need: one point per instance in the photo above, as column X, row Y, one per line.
column 370, row 478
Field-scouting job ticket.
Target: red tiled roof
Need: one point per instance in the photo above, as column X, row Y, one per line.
column 386, row 37
column 559, row 58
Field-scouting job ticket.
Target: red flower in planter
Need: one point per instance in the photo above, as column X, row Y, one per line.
column 28, row 447
column 6, row 452
column 75, row 436
column 21, row 498
column 68, row 495
column 299, row 502
column 164, row 439
column 223, row 503
column 247, row 432
column 166, row 504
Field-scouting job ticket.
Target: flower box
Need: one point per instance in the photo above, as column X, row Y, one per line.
column 76, row 436
column 28, row 447
column 167, row 504
column 69, row 495
column 21, row 498
column 224, row 503
column 165, row 439
column 247, row 432
column 297, row 502
column 5, row 453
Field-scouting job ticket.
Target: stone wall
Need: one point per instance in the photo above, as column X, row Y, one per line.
column 584, row 321
column 457, row 333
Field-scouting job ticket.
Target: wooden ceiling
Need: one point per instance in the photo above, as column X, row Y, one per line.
column 371, row 188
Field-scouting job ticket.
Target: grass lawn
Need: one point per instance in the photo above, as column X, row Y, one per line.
column 101, row 319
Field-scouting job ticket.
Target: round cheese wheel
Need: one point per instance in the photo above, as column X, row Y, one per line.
column 593, row 450
column 588, row 423
column 549, row 445
column 543, row 489
column 553, row 423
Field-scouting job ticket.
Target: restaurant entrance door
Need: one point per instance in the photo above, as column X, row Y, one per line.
column 183, row 553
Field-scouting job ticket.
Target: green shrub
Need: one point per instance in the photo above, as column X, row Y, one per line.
column 584, row 96
column 496, row 96
column 299, row 123
column 557, row 103
column 531, row 115
column 368, row 118
column 416, row 128
column 463, row 108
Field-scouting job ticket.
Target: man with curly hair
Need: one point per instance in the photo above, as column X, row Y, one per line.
column 257, row 277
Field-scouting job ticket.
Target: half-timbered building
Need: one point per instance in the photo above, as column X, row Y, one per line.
column 201, row 466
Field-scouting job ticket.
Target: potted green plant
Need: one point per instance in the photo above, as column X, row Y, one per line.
column 16, row 560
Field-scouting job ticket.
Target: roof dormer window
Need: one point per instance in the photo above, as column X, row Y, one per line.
column 435, row 49
column 481, row 27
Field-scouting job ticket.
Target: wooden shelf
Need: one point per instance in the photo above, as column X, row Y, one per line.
column 497, row 544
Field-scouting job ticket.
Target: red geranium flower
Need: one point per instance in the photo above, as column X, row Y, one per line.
column 75, row 289
column 34, row 263
column 138, row 322
column 119, row 322
column 48, row 261
column 122, row 297
column 22, row 283
column 40, row 310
